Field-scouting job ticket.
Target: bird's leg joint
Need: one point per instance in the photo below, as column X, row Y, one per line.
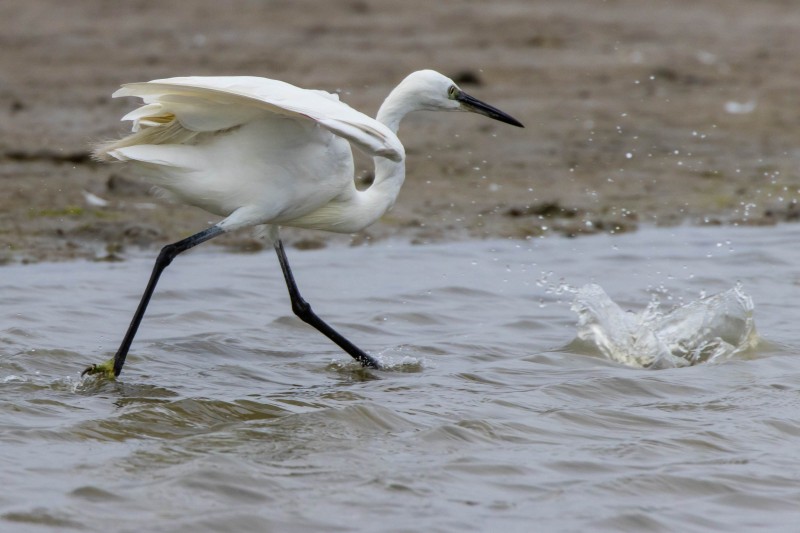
column 302, row 308
column 167, row 254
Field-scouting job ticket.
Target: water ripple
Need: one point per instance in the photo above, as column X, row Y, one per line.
column 233, row 415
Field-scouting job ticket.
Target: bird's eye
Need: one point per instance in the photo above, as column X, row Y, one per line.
column 452, row 92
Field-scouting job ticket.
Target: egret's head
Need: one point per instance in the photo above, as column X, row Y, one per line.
column 436, row 92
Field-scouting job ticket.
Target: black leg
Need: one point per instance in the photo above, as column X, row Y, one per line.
column 168, row 253
column 303, row 310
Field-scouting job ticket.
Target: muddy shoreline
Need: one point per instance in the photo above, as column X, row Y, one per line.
column 677, row 112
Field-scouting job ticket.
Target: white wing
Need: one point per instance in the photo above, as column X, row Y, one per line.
column 217, row 103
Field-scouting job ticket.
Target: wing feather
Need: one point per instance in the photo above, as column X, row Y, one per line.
column 203, row 104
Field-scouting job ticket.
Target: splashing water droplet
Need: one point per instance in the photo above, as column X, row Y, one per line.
column 710, row 329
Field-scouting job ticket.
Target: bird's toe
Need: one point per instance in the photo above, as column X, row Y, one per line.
column 103, row 370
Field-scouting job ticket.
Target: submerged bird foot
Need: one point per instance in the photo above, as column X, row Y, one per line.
column 103, row 370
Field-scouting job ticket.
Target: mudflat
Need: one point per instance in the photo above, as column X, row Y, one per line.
column 663, row 112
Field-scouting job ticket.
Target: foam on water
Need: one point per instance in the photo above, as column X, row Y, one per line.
column 706, row 330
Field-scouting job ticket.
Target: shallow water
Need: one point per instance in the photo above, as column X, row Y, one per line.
column 232, row 415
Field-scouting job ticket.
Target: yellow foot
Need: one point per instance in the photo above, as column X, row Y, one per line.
column 103, row 370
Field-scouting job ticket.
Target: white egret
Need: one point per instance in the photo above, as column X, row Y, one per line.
column 262, row 152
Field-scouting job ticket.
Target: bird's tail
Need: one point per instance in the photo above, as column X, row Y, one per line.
column 161, row 129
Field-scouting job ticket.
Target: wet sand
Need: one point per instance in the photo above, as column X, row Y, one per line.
column 664, row 113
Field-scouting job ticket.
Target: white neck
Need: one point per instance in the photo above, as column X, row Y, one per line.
column 397, row 105
column 369, row 205
column 389, row 175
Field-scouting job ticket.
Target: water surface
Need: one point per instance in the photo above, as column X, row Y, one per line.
column 232, row 415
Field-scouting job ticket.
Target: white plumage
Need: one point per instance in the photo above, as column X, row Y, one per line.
column 255, row 150
column 263, row 152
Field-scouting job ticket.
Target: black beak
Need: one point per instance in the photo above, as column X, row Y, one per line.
column 468, row 103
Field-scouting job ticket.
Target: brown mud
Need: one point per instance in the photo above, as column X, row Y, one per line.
column 661, row 112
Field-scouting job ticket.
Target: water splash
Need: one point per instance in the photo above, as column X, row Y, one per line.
column 709, row 329
column 391, row 359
